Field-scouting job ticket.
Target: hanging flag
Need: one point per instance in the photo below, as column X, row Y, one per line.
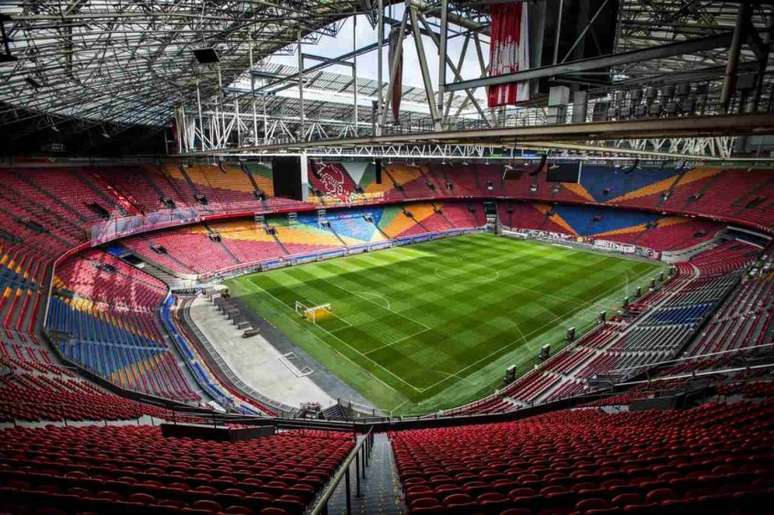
column 508, row 52
column 397, row 85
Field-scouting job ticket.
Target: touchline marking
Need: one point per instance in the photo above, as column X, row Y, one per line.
column 569, row 315
column 569, row 300
column 449, row 374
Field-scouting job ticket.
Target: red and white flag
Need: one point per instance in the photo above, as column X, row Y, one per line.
column 508, row 52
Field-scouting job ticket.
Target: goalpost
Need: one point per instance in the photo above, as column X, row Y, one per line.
column 314, row 313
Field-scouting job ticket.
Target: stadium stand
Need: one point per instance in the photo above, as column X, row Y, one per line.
column 104, row 314
column 712, row 458
column 660, row 233
column 655, row 329
column 117, row 322
column 35, row 388
column 133, row 469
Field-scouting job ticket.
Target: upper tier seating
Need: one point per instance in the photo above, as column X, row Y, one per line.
column 713, row 458
column 134, row 469
column 190, row 250
column 660, row 233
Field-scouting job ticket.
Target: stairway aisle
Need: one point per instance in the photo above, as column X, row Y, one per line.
column 381, row 490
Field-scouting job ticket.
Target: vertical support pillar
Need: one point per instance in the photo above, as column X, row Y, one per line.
column 729, row 81
column 252, row 92
column 379, row 66
column 558, row 36
column 199, row 108
column 303, row 165
column 300, row 86
column 179, row 128
column 442, row 57
column 221, row 117
column 354, row 73
column 265, row 122
column 420, row 47
column 238, row 122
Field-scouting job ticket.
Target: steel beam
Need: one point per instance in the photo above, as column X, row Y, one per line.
column 423, row 68
column 379, row 66
column 695, row 126
column 442, row 55
column 729, row 81
column 329, row 60
column 722, row 40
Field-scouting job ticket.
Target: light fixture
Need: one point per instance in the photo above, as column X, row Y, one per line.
column 206, row 55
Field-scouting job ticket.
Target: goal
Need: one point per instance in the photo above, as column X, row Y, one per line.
column 314, row 313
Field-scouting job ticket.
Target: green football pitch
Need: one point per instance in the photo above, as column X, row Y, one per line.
column 430, row 326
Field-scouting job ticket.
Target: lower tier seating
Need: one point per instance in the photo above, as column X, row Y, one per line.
column 134, row 469
column 40, row 390
column 714, row 458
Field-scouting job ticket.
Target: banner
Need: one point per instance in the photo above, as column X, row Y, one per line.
column 508, row 52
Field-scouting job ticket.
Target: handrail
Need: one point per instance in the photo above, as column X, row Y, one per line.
column 361, row 455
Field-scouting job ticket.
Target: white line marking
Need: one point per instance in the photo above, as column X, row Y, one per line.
column 439, row 274
column 592, row 302
column 376, row 295
column 375, row 304
column 351, row 347
column 397, row 341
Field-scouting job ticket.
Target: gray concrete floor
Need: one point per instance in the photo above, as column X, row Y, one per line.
column 256, row 361
column 381, row 492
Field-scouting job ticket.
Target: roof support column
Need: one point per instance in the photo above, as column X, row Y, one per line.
column 300, row 86
column 423, row 67
column 729, row 82
column 394, row 65
column 379, row 65
column 354, row 74
column 442, row 57
column 199, row 108
column 252, row 93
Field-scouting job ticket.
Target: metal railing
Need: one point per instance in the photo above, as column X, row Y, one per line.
column 361, row 456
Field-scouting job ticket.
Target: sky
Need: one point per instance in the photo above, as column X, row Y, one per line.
column 367, row 64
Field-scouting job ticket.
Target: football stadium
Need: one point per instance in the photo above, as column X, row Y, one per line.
column 491, row 257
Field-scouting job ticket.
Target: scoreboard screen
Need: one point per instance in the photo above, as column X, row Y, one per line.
column 564, row 172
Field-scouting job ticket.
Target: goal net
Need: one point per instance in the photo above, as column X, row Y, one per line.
column 314, row 314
